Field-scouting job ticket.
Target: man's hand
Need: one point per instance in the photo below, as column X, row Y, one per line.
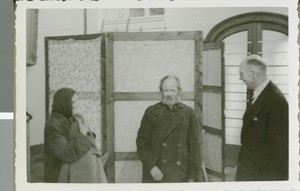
column 156, row 174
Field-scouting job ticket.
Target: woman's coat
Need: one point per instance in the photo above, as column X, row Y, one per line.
column 63, row 144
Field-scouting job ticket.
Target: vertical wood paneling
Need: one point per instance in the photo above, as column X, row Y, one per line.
column 198, row 79
column 212, row 105
column 212, row 75
column 213, row 157
column 235, row 89
column 213, row 108
column 103, row 97
column 110, row 106
column 47, row 76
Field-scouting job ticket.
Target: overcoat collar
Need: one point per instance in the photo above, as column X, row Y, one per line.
column 163, row 114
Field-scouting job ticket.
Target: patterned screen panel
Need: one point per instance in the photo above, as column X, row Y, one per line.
column 76, row 64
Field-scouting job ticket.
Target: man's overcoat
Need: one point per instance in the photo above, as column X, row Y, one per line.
column 170, row 140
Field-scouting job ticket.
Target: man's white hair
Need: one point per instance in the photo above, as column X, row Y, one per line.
column 170, row 77
column 256, row 61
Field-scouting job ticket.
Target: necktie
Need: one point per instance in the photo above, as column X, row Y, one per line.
column 251, row 100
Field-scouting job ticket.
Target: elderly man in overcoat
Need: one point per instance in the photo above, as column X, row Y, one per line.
column 264, row 136
column 168, row 142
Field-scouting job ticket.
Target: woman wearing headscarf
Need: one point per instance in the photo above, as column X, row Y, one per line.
column 67, row 145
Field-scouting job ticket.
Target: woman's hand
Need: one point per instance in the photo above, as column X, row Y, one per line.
column 83, row 128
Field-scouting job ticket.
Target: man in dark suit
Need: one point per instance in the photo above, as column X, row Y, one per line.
column 264, row 136
column 168, row 139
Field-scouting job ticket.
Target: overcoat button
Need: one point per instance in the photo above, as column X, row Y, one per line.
column 164, row 144
column 164, row 161
column 178, row 163
column 179, row 144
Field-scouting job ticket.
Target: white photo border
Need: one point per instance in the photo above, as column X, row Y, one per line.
column 20, row 96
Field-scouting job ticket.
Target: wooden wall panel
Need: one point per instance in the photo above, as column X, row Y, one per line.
column 212, row 105
column 234, row 114
column 212, row 157
column 140, row 65
column 233, row 79
column 128, row 171
column 234, row 123
column 235, row 97
column 212, row 70
column 235, row 105
column 238, row 88
column 279, row 80
column 282, row 70
column 233, row 132
column 128, row 117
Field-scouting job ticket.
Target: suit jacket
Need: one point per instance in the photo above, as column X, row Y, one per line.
column 264, row 136
column 171, row 142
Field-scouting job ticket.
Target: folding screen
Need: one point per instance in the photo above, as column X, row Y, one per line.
column 135, row 64
column 75, row 62
column 213, row 111
column 123, row 73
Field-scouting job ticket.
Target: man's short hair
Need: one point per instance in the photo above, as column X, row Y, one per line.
column 170, row 77
column 256, row 61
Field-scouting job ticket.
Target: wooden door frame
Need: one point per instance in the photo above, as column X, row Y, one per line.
column 111, row 96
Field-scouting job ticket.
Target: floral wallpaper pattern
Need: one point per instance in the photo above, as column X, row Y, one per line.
column 77, row 64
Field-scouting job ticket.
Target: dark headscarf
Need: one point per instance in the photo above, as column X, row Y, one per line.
column 62, row 101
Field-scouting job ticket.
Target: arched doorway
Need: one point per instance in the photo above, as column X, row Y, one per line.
column 260, row 33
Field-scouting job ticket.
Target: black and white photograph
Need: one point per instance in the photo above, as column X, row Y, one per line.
column 156, row 96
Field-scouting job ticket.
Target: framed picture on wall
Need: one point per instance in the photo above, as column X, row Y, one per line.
column 31, row 36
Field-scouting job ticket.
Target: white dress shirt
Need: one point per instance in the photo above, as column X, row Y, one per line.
column 259, row 89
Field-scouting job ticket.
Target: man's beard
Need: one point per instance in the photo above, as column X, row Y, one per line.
column 170, row 100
